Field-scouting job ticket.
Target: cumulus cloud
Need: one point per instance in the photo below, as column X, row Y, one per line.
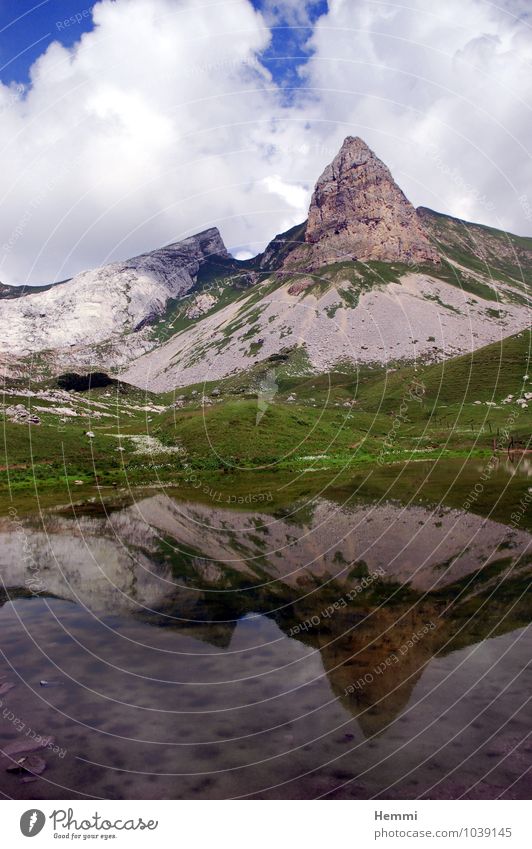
column 163, row 121
column 157, row 124
column 291, row 194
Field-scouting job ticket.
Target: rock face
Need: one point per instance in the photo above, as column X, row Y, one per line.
column 21, row 415
column 319, row 293
column 358, row 212
column 202, row 304
column 98, row 305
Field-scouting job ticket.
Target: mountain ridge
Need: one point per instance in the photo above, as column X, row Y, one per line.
column 115, row 297
column 366, row 278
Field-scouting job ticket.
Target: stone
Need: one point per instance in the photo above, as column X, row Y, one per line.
column 97, row 305
column 28, row 763
column 358, row 212
column 202, row 304
column 20, row 415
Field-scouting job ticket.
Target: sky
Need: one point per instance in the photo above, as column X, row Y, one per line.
column 129, row 124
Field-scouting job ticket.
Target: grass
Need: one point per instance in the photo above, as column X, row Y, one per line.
column 228, row 434
column 494, row 254
column 491, row 372
column 174, row 319
column 309, row 426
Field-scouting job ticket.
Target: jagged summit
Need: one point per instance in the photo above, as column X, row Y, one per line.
column 200, row 247
column 358, row 212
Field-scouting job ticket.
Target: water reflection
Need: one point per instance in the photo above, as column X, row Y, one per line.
column 188, row 650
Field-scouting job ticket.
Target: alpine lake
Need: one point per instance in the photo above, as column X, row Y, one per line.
column 259, row 636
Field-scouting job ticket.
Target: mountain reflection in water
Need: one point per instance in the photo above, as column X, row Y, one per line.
column 191, row 651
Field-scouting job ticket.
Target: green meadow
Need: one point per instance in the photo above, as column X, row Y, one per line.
column 302, row 429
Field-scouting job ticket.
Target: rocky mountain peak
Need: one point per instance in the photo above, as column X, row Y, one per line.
column 358, row 212
column 204, row 245
column 190, row 253
column 98, row 305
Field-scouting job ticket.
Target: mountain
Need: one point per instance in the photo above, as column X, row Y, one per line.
column 358, row 213
column 367, row 279
column 96, row 305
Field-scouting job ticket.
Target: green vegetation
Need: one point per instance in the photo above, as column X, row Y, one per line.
column 493, row 254
column 225, row 285
column 488, row 374
column 280, row 247
column 368, row 428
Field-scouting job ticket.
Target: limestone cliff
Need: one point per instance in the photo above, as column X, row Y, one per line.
column 358, row 212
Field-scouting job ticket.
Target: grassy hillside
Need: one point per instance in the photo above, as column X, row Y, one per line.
column 276, row 419
column 486, row 251
column 229, row 434
column 487, row 374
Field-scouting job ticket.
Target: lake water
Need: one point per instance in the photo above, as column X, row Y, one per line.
column 183, row 649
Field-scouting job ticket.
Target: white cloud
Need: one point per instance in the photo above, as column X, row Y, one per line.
column 289, row 12
column 152, row 127
column 162, row 121
column 294, row 195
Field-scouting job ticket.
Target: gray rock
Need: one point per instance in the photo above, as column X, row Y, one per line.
column 358, row 212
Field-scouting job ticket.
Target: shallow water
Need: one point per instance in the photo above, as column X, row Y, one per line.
column 189, row 650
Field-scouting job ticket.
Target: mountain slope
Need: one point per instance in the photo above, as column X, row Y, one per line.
column 367, row 279
column 359, row 213
column 96, row 305
column 361, row 313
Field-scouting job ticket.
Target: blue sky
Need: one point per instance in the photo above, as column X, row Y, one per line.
column 288, row 48
column 28, row 26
